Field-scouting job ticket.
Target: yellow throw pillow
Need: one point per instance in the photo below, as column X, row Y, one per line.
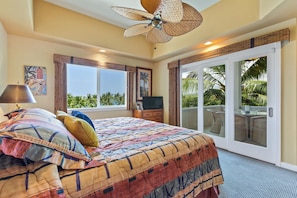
column 82, row 131
column 60, row 115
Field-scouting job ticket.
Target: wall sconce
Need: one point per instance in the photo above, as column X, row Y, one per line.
column 17, row 94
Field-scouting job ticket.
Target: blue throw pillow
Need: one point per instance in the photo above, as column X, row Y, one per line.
column 83, row 116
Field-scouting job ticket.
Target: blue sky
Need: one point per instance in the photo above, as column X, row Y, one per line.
column 82, row 81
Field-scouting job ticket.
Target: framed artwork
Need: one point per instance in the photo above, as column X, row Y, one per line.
column 139, row 105
column 143, row 82
column 35, row 78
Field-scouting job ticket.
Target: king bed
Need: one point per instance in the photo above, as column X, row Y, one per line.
column 62, row 155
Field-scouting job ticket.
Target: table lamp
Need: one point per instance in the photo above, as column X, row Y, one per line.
column 17, row 94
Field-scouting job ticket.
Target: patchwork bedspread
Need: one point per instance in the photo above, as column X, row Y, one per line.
column 146, row 159
column 135, row 158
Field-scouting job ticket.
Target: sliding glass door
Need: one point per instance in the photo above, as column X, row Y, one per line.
column 203, row 99
column 214, row 85
column 236, row 100
column 255, row 103
column 189, row 99
column 250, row 101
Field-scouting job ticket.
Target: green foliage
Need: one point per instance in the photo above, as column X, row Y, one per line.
column 214, row 85
column 254, row 93
column 109, row 99
column 214, row 97
column 90, row 101
column 253, row 90
column 189, row 101
column 190, row 86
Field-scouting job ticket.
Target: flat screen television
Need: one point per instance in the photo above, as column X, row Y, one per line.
column 152, row 102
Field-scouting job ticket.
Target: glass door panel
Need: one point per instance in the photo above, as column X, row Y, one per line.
column 189, row 100
column 214, row 100
column 250, row 101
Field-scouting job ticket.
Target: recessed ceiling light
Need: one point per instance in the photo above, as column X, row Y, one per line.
column 102, row 50
column 208, row 43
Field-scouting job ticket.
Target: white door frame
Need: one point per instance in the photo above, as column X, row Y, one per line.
column 273, row 52
column 271, row 153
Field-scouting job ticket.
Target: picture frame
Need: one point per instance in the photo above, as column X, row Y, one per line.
column 139, row 105
column 143, row 82
column 35, row 77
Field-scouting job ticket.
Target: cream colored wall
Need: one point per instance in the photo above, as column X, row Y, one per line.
column 288, row 133
column 3, row 67
column 289, row 95
column 288, row 86
column 215, row 24
column 266, row 6
column 23, row 51
column 161, row 86
column 62, row 23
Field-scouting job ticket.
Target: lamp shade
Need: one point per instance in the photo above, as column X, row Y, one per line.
column 17, row 94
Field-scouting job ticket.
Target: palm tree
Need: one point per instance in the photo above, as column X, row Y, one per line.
column 190, row 90
column 119, row 99
column 214, row 85
column 144, row 80
column 254, row 90
column 253, row 68
column 91, row 100
column 81, row 101
column 106, row 99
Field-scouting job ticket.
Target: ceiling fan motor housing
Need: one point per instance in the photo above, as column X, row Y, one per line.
column 157, row 21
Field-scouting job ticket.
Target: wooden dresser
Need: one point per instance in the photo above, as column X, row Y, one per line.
column 151, row 114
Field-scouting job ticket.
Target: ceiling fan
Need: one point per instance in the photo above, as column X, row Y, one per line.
column 164, row 19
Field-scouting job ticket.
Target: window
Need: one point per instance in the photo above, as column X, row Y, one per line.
column 61, row 62
column 92, row 87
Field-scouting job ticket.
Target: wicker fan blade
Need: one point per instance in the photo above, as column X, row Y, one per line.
column 158, row 36
column 150, row 5
column 137, row 29
column 133, row 13
column 171, row 10
column 191, row 19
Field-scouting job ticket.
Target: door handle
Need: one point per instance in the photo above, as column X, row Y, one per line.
column 270, row 112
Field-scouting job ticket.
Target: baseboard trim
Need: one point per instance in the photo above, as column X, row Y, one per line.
column 288, row 166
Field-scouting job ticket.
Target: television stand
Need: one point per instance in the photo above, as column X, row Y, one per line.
column 149, row 114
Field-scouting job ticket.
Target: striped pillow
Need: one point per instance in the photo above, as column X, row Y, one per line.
column 36, row 135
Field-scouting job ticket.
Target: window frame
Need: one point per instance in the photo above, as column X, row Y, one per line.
column 61, row 62
column 98, row 91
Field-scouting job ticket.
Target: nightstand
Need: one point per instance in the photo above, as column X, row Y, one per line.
column 149, row 114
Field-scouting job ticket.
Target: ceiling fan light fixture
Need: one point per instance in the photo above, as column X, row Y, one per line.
column 167, row 18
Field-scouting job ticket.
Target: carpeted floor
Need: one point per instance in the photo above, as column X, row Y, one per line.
column 249, row 178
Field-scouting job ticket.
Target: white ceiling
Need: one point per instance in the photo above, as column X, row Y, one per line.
column 101, row 9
